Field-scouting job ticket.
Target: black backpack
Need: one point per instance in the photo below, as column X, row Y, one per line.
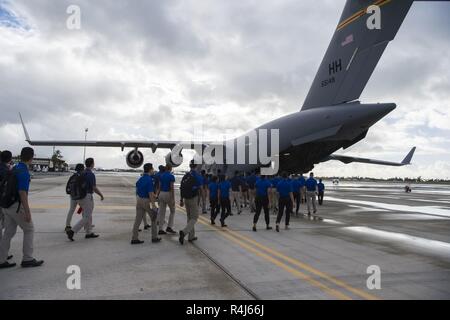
column 8, row 190
column 187, row 187
column 76, row 186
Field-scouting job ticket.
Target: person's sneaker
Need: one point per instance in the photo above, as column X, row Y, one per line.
column 286, row 227
column 32, row 264
column 254, row 229
column 269, row 228
column 213, row 222
column 162, row 232
column 67, row 228
column 147, row 227
column 181, row 237
column 315, row 211
column 10, row 257
column 92, row 236
column 224, row 225
column 156, row 240
column 193, row 239
column 277, row 228
column 170, row 230
column 231, row 214
column 70, row 234
column 137, row 242
column 7, row 265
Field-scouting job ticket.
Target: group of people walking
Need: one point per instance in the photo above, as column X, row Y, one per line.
column 155, row 193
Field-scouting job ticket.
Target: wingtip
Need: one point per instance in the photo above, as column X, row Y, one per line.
column 408, row 158
column 27, row 136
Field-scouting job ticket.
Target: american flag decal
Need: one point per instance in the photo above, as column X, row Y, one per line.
column 347, row 40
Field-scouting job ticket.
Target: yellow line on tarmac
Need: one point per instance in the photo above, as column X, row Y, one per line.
column 305, row 266
column 277, row 262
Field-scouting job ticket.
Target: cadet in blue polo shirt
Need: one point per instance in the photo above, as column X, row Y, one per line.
column 224, row 198
column 262, row 200
column 296, row 185
column 321, row 189
column 311, row 192
column 204, row 192
column 87, row 203
column 275, row 196
column 251, row 181
column 236, row 191
column 145, row 204
column 302, row 182
column 19, row 214
column 166, row 199
column 213, row 189
column 286, row 200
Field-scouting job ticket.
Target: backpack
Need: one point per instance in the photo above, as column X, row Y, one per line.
column 8, row 190
column 76, row 186
column 188, row 185
column 71, row 183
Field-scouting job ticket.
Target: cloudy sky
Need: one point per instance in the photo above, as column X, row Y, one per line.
column 143, row 70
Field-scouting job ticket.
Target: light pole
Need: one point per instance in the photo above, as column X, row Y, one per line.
column 85, row 139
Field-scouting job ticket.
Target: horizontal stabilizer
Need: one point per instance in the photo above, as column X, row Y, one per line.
column 350, row 159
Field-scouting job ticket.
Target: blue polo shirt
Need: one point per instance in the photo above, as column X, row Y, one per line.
column 302, row 181
column 205, row 180
column 144, row 186
column 224, row 188
column 284, row 187
column 262, row 187
column 165, row 179
column 91, row 182
column 23, row 177
column 236, row 182
column 275, row 182
column 311, row 184
column 251, row 181
column 321, row 186
column 213, row 188
column 296, row 185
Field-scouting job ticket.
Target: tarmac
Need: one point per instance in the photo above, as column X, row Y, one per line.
column 405, row 236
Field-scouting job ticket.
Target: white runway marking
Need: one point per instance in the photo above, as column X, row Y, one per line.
column 398, row 207
column 434, row 246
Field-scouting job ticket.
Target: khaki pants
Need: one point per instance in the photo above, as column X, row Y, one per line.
column 192, row 211
column 143, row 207
column 236, row 195
column 251, row 198
column 311, row 199
column 302, row 194
column 73, row 206
column 12, row 220
column 166, row 200
column 88, row 207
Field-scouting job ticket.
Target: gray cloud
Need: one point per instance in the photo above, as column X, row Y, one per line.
column 156, row 69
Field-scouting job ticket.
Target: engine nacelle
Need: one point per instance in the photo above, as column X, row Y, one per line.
column 135, row 159
column 175, row 158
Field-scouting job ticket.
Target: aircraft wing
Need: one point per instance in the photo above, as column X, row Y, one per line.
column 120, row 144
column 354, row 51
column 349, row 159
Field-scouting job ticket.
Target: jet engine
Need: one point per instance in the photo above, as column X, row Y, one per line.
column 135, row 159
column 175, row 158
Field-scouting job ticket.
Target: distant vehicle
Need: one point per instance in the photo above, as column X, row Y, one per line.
column 408, row 189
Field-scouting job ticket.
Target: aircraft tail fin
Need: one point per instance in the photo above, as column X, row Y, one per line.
column 409, row 157
column 355, row 50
